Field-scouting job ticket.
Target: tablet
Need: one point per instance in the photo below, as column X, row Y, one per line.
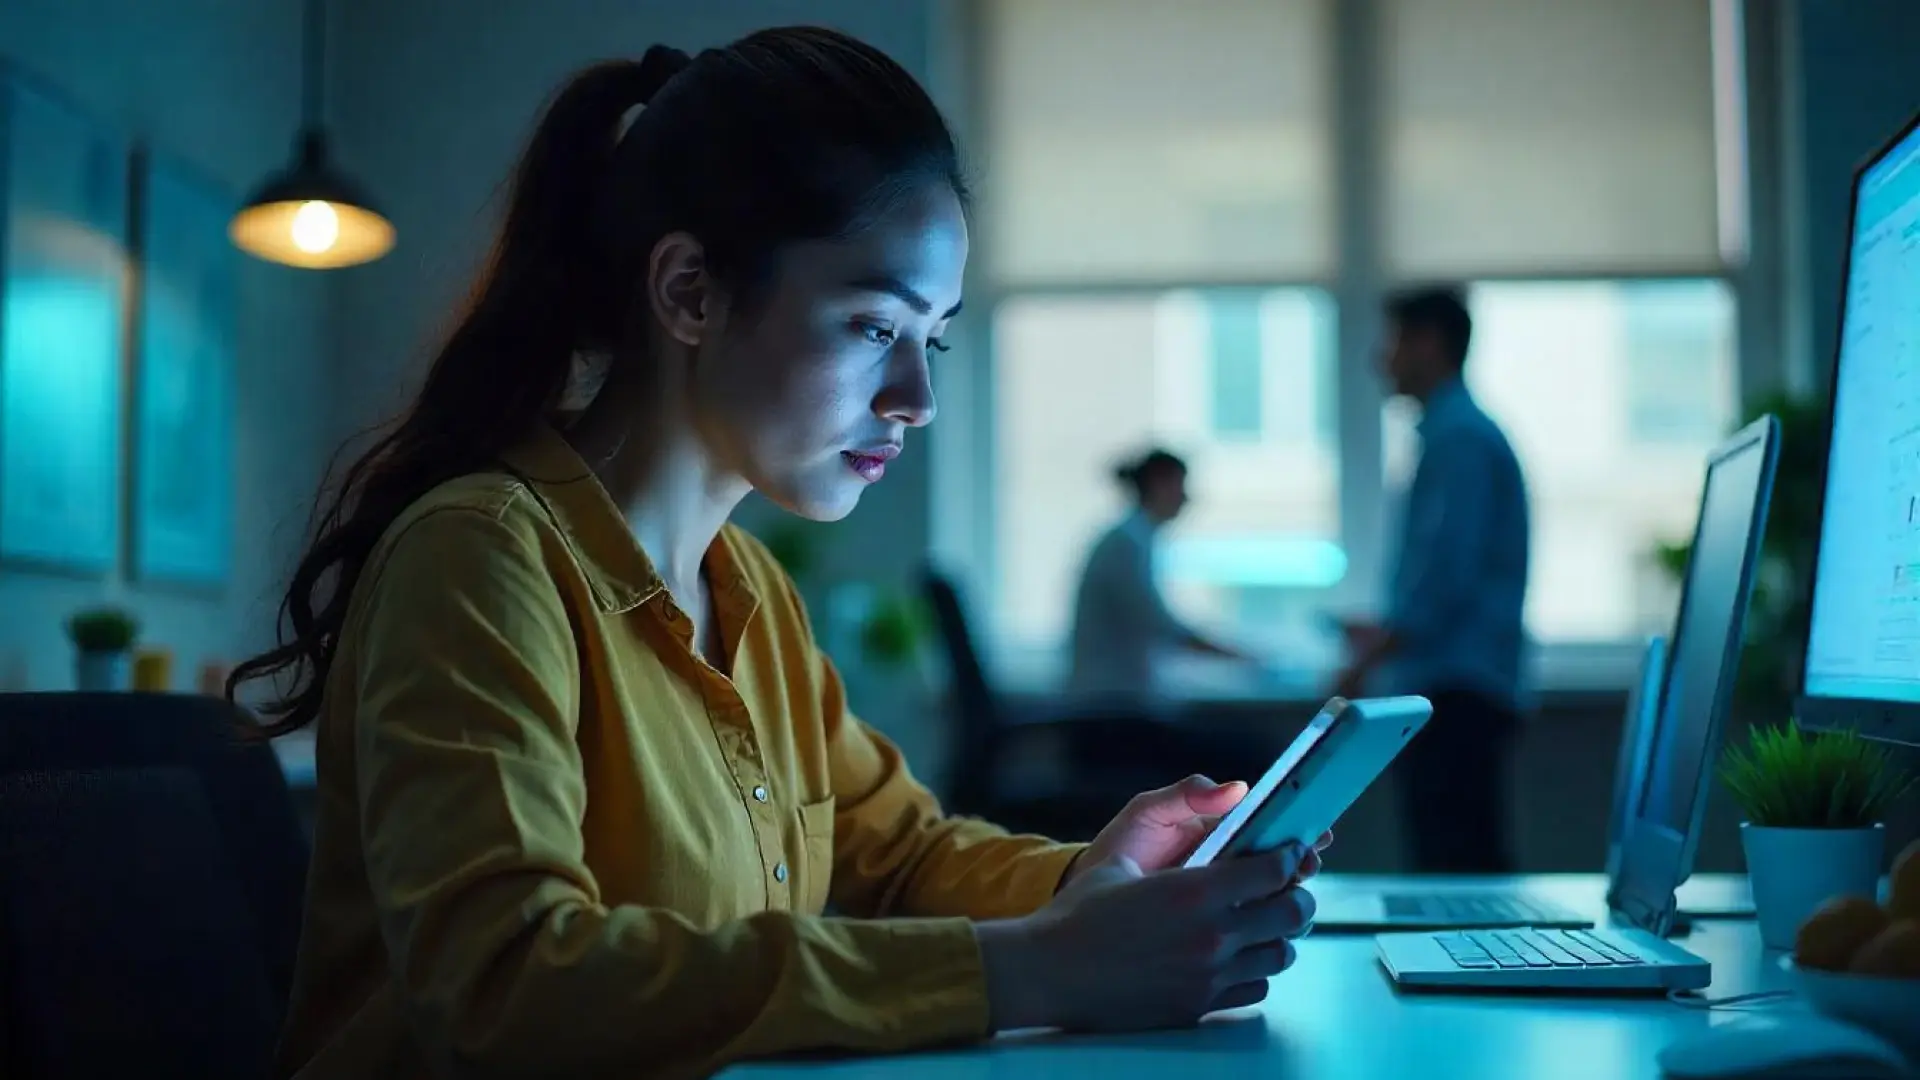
column 1340, row 754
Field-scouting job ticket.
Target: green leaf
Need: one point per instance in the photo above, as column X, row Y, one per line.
column 894, row 629
column 103, row 630
column 1784, row 777
column 792, row 545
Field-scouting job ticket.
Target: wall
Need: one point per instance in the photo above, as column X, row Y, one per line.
column 1856, row 79
column 215, row 83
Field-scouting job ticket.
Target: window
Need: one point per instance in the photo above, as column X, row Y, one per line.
column 1174, row 232
column 1086, row 382
column 1270, row 355
column 1235, row 359
column 1613, row 453
column 1149, row 142
column 1677, row 338
column 1523, row 137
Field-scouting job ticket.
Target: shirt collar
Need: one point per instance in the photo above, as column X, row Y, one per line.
column 1450, row 398
column 596, row 532
column 1139, row 526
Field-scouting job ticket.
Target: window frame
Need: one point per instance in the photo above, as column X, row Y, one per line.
column 1748, row 37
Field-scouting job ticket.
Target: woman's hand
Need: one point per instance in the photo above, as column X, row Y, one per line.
column 1123, row 949
column 1158, row 829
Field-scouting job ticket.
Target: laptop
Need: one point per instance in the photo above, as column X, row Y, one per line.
column 1343, row 909
column 1661, row 831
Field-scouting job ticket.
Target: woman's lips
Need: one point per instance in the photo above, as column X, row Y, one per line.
column 869, row 465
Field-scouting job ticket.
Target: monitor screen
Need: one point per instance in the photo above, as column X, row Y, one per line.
column 1713, row 612
column 1863, row 640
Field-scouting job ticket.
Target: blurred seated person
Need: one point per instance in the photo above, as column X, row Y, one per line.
column 1121, row 622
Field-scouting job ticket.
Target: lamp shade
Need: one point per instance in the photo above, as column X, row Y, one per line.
column 311, row 216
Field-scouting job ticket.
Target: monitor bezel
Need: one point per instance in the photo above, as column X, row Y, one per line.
column 1632, row 760
column 1887, row 721
column 1656, row 859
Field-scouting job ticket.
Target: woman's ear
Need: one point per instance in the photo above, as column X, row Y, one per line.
column 679, row 291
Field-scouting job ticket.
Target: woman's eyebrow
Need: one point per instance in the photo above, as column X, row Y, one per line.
column 891, row 285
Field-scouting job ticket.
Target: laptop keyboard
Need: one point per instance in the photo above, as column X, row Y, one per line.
column 1533, row 949
column 1467, row 908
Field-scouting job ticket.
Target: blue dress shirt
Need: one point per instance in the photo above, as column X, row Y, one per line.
column 1459, row 579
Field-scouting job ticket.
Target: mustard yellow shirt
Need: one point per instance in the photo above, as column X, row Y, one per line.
column 551, row 841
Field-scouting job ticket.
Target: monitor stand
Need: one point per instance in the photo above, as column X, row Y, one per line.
column 1636, row 910
column 1899, row 727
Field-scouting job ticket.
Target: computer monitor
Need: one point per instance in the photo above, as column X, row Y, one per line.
column 1703, row 657
column 1862, row 665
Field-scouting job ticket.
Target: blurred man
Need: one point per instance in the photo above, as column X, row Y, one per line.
column 1452, row 631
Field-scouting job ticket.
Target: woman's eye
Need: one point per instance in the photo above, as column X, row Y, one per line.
column 875, row 333
column 936, row 345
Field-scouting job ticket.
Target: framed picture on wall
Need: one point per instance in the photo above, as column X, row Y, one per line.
column 183, row 425
column 63, row 289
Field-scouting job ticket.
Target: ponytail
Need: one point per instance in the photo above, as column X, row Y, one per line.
column 544, row 293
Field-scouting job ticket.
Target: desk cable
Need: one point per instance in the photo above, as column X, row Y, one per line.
column 1694, row 999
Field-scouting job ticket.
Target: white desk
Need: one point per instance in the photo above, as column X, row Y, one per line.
column 1336, row 1015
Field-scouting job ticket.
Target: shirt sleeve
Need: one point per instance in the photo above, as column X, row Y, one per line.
column 1124, row 569
column 1445, row 532
column 471, row 793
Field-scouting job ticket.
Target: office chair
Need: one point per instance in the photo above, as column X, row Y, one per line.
column 151, row 877
column 1111, row 755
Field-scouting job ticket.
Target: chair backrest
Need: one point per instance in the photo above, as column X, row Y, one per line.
column 976, row 720
column 152, row 867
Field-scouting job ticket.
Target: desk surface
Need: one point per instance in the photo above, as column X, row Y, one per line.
column 1336, row 1015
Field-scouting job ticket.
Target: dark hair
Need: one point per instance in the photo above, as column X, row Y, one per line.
column 1143, row 470
column 1438, row 310
column 785, row 136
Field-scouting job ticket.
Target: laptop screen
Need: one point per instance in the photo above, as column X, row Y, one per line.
column 1712, row 614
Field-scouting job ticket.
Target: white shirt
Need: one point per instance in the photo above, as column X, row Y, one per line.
column 1120, row 619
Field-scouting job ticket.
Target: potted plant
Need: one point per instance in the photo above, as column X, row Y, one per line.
column 894, row 630
column 793, row 545
column 1815, row 806
column 103, row 648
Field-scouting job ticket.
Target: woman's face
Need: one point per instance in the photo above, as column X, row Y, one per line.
column 809, row 395
column 1164, row 493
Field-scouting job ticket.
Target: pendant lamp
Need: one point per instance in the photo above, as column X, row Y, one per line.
column 310, row 215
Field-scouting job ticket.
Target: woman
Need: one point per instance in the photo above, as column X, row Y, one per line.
column 1120, row 619
column 586, row 784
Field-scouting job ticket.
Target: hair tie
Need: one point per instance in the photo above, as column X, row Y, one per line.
column 658, row 65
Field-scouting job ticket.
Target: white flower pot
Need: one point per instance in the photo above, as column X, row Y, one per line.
column 1794, row 871
column 102, row 672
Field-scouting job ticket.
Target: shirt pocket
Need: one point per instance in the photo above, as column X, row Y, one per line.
column 816, row 859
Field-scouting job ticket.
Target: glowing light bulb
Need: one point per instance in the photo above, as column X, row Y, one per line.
column 316, row 227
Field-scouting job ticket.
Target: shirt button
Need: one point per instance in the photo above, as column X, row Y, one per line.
column 780, row 872
column 760, row 794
